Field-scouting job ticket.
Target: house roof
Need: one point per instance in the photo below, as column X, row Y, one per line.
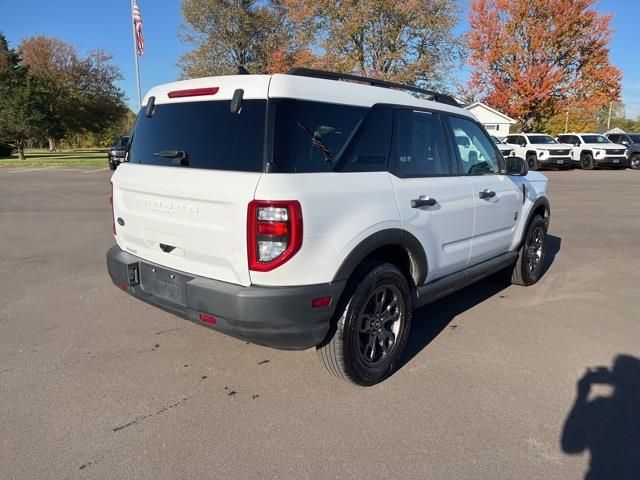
column 492, row 110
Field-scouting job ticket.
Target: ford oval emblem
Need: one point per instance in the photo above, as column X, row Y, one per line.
column 121, row 221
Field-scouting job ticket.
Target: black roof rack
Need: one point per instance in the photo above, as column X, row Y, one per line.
column 309, row 72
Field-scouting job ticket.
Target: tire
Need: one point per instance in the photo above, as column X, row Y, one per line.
column 112, row 165
column 528, row 268
column 586, row 161
column 532, row 161
column 634, row 161
column 363, row 347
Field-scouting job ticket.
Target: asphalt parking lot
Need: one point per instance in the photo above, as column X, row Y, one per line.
column 95, row 384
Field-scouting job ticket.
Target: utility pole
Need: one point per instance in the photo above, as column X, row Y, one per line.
column 609, row 117
column 566, row 121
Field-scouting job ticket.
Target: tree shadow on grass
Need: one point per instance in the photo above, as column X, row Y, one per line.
column 430, row 320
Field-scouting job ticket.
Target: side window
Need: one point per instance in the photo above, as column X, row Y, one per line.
column 418, row 147
column 613, row 138
column 509, row 139
column 369, row 150
column 480, row 158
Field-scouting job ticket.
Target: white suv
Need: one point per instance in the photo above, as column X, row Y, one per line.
column 540, row 150
column 590, row 150
column 303, row 210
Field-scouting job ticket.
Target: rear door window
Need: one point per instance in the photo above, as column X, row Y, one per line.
column 201, row 135
column 419, row 147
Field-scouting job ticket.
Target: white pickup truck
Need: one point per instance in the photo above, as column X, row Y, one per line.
column 540, row 150
column 591, row 150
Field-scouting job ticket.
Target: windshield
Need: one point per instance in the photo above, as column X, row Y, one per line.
column 541, row 139
column 595, row 139
column 122, row 141
column 496, row 140
column 635, row 138
column 201, row 135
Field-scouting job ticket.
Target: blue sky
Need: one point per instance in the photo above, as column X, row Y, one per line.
column 92, row 24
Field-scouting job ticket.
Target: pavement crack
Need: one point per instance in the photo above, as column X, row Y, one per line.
column 144, row 417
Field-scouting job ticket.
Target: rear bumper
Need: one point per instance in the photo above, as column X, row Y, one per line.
column 278, row 317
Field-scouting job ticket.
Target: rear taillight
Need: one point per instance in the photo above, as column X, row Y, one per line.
column 274, row 233
column 113, row 213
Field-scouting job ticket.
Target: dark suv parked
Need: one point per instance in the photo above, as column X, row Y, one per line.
column 5, row 149
column 118, row 152
column 632, row 142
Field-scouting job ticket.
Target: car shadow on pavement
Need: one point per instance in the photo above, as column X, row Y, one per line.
column 607, row 426
column 430, row 320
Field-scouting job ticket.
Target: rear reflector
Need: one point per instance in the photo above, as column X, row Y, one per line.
column 193, row 92
column 321, row 302
column 208, row 318
column 123, row 286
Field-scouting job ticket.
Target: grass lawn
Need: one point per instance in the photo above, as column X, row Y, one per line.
column 91, row 157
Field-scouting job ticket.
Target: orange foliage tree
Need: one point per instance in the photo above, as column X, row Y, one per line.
column 533, row 59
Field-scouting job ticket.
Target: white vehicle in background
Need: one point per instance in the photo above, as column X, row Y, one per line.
column 504, row 149
column 540, row 150
column 317, row 210
column 591, row 150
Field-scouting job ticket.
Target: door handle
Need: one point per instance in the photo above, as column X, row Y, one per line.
column 486, row 193
column 423, row 201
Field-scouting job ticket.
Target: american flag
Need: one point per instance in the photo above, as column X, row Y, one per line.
column 137, row 24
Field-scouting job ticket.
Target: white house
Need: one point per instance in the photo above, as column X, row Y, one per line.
column 496, row 123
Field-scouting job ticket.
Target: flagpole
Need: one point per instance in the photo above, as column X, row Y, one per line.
column 135, row 56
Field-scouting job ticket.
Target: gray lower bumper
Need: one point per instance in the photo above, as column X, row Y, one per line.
column 279, row 317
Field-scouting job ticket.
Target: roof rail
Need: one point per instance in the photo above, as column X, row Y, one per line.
column 435, row 96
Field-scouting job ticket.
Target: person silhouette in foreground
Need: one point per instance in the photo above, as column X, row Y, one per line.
column 608, row 426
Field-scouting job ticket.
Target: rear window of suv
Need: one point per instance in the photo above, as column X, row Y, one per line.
column 206, row 133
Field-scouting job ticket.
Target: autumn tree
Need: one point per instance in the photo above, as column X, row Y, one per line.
column 234, row 35
column 82, row 92
column 533, row 59
column 410, row 41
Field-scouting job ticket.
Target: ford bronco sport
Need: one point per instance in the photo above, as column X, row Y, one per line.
column 313, row 209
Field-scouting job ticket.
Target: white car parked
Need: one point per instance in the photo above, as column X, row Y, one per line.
column 590, row 150
column 310, row 210
column 540, row 150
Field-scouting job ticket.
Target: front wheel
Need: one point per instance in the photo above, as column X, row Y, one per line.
column 532, row 162
column 586, row 162
column 372, row 327
column 528, row 268
column 634, row 161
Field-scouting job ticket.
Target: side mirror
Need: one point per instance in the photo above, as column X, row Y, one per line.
column 517, row 166
column 625, row 142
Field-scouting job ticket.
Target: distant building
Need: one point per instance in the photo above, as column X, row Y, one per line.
column 496, row 123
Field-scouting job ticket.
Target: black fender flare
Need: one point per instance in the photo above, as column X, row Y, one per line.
column 385, row 238
column 541, row 201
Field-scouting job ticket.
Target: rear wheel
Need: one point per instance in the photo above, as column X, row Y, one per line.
column 586, row 161
column 634, row 161
column 372, row 327
column 528, row 268
column 532, row 161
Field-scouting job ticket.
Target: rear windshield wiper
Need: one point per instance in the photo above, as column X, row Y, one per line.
column 179, row 157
